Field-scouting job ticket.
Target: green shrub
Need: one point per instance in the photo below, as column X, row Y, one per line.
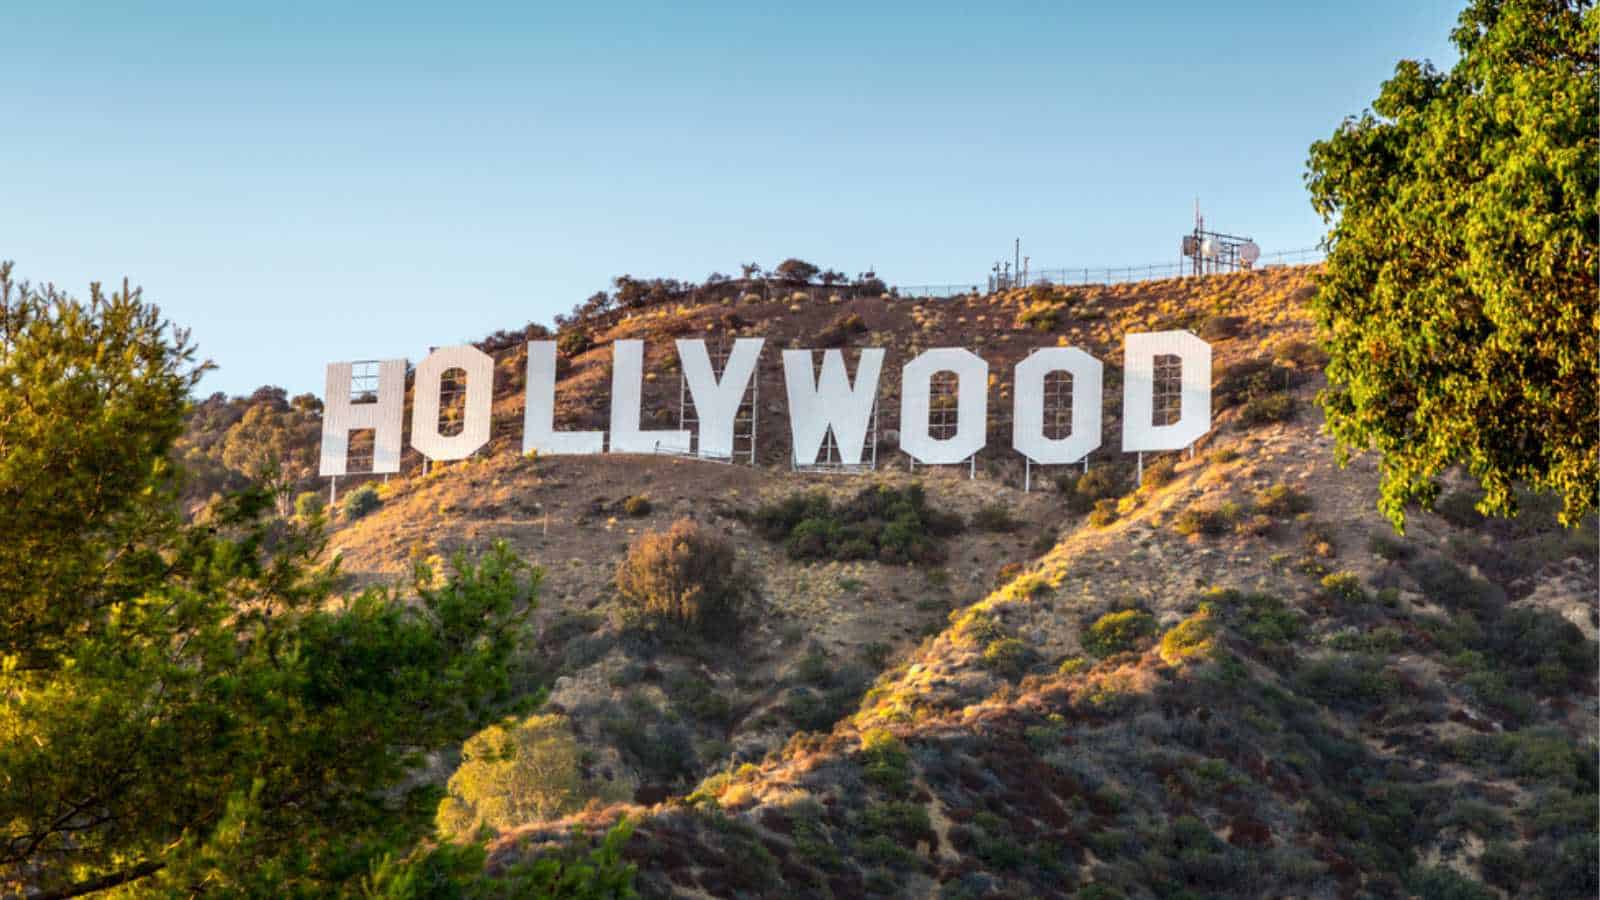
column 308, row 505
column 1205, row 520
column 1535, row 754
column 815, row 668
column 994, row 517
column 685, row 576
column 1007, row 656
column 1454, row 588
column 1193, row 637
column 1084, row 490
column 1267, row 408
column 1352, row 683
column 661, row 748
column 1502, row 865
column 1321, row 541
column 1540, row 648
column 360, row 502
column 1159, row 474
column 449, row 869
column 1219, row 327
column 1105, row 512
column 891, row 525
column 978, row 627
column 1382, row 640
column 1389, row 547
column 695, row 695
column 1072, row 665
column 1119, row 632
column 885, row 761
column 1251, row 378
column 1040, row 316
column 1440, row 883
column 574, row 342
column 1344, row 588
column 1460, row 508
column 1262, row 618
column 1256, row 525
column 839, row 332
column 637, row 506
column 1477, row 817
column 1282, row 501
column 906, row 822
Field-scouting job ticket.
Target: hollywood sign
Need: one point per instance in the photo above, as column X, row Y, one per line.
column 818, row 403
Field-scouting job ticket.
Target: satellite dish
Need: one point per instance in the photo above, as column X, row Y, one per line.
column 1249, row 253
column 1209, row 248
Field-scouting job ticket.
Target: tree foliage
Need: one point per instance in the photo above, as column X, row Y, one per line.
column 229, row 442
column 685, row 576
column 457, row 872
column 515, row 773
column 187, row 708
column 1458, row 304
column 796, row 271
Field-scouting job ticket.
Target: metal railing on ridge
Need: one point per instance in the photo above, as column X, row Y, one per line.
column 1097, row 275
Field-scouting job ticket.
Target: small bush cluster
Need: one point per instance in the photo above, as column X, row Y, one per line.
column 1104, row 513
column 360, row 502
column 1282, row 501
column 839, row 332
column 1320, row 540
column 637, row 506
column 890, row 525
column 1460, row 508
column 1218, row 328
column 885, row 761
column 975, row 627
column 1262, row 386
column 685, row 576
column 574, row 342
column 1344, row 588
column 1191, row 638
column 994, row 517
column 1159, row 474
column 1389, row 547
column 1239, row 383
column 660, row 747
column 1265, row 409
column 1261, row 618
column 1007, row 656
column 1119, row 632
column 1351, row 682
column 1206, row 520
column 1040, row 316
column 1085, row 490
column 308, row 505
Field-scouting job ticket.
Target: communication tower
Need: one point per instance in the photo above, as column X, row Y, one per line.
column 1207, row 252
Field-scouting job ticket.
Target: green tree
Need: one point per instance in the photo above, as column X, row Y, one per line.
column 187, row 708
column 1458, row 305
column 274, row 441
column 515, row 773
column 795, row 271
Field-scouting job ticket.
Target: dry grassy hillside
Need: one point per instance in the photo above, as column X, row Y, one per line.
column 1232, row 680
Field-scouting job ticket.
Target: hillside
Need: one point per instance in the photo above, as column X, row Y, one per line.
column 1231, row 680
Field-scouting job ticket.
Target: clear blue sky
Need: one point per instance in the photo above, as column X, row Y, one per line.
column 309, row 182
